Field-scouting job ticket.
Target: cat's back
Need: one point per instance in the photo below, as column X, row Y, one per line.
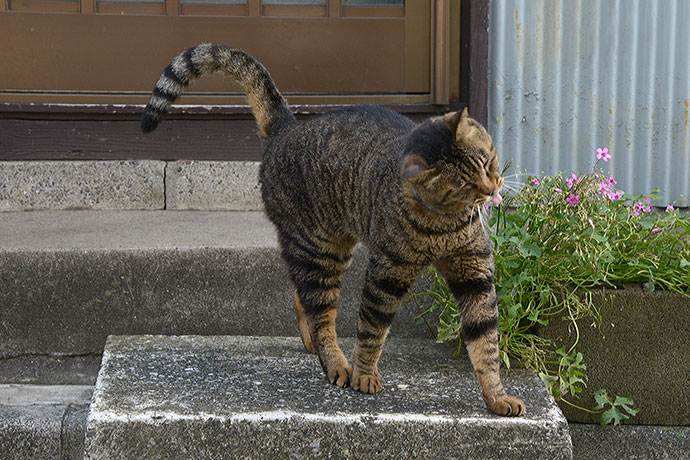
column 354, row 127
column 326, row 164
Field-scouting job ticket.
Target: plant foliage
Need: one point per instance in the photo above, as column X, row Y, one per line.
column 557, row 238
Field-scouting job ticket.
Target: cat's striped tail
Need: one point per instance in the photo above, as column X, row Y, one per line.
column 268, row 106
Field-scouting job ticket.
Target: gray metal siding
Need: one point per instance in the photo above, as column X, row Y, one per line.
column 566, row 77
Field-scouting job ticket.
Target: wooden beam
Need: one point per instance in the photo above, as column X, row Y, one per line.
column 440, row 88
column 334, row 7
column 87, row 6
column 172, row 7
column 254, row 8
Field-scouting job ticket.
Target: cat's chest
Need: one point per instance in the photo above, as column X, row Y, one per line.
column 436, row 246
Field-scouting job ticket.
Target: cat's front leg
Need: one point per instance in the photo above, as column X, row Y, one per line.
column 470, row 279
column 384, row 286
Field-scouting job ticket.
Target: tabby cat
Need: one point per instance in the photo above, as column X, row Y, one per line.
column 410, row 192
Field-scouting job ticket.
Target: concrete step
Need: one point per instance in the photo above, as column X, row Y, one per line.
column 265, row 397
column 71, row 278
column 49, row 422
column 43, row 422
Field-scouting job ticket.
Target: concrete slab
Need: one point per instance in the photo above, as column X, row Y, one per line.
column 213, row 185
column 37, row 185
column 130, row 230
column 69, row 279
column 43, row 422
column 630, row 442
column 266, row 397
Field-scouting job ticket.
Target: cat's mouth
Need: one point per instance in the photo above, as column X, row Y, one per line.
column 496, row 198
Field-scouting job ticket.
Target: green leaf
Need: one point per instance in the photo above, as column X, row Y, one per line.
column 625, row 404
column 598, row 237
column 614, row 415
column 646, row 222
column 505, row 359
column 602, row 399
column 684, row 263
column 511, row 263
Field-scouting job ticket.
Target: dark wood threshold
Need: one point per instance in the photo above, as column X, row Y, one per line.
column 71, row 111
column 102, row 132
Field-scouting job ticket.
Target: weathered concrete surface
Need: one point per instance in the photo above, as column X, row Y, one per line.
column 50, row 370
column 43, row 422
column 37, row 185
column 70, row 279
column 213, row 185
column 266, row 397
column 640, row 351
column 629, row 442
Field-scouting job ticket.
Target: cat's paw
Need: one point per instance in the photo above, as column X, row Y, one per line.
column 507, row 405
column 339, row 375
column 366, row 383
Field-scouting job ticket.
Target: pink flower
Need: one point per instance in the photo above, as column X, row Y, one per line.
column 639, row 208
column 558, row 190
column 612, row 182
column 604, row 188
column 573, row 199
column 603, row 154
column 670, row 208
column 573, row 181
column 534, row 181
column 613, row 196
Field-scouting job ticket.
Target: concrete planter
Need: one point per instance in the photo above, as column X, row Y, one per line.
column 639, row 351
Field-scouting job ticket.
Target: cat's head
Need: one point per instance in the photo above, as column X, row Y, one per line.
column 450, row 164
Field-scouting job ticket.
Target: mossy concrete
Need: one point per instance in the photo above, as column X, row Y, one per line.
column 266, row 398
column 639, row 350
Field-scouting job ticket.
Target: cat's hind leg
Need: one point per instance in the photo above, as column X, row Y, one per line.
column 303, row 325
column 316, row 265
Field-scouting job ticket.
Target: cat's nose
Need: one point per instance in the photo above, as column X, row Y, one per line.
column 487, row 187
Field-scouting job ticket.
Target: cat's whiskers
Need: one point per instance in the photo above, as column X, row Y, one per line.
column 483, row 214
column 511, row 188
column 515, row 183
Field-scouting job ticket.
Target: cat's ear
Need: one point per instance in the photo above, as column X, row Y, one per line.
column 413, row 166
column 451, row 120
column 456, row 122
column 464, row 126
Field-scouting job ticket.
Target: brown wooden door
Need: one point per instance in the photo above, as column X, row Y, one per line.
column 318, row 51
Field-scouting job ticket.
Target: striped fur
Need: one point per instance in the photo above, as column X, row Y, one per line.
column 410, row 192
column 268, row 106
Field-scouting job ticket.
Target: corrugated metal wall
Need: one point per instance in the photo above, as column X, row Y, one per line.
column 566, row 77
